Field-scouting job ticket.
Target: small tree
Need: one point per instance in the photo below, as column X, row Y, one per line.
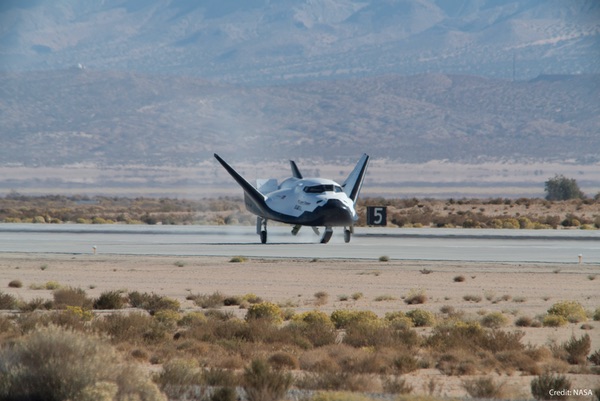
column 562, row 188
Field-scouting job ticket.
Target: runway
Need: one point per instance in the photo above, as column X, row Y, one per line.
column 548, row 246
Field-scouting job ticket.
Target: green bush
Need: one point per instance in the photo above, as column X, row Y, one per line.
column 494, row 320
column 562, row 188
column 554, row 321
column 109, row 300
column 313, row 317
column 341, row 318
column 421, row 317
column 265, row 310
column 399, row 320
column 570, row 310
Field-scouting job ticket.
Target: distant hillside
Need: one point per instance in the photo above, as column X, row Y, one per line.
column 81, row 116
column 259, row 41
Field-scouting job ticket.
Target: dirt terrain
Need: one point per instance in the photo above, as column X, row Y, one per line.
column 515, row 290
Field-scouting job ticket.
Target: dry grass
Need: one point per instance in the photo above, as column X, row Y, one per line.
column 343, row 349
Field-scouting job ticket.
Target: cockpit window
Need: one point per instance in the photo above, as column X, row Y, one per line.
column 317, row 189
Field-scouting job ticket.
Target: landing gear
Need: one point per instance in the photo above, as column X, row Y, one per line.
column 261, row 229
column 296, row 229
column 347, row 235
column 327, row 236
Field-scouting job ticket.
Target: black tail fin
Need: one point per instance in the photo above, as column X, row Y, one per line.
column 295, row 170
column 354, row 181
column 257, row 198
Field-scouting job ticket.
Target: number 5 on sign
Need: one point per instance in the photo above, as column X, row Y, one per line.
column 376, row 215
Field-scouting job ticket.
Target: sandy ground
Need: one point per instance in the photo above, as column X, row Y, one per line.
column 515, row 289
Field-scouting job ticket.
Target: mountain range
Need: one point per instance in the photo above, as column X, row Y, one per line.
column 80, row 116
column 267, row 41
column 167, row 83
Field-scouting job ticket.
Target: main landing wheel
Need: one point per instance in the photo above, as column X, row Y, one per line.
column 347, row 235
column 261, row 229
column 327, row 235
column 263, row 237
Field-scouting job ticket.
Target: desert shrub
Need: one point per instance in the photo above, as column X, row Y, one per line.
column 109, row 300
column 405, row 363
column 283, row 360
column 472, row 298
column 232, row 300
column 341, row 318
column 596, row 315
column 219, row 377
column 396, row 385
column 554, row 321
column 523, row 321
column 8, row 302
column 471, row 336
column 494, row 320
column 224, row 394
column 35, row 304
column 311, row 329
column 595, row 357
column 336, row 381
column 399, row 320
column 459, row 279
column 214, row 300
column 455, row 363
column 192, row 319
column 483, row 387
column 238, row 259
column 252, row 298
column 415, row 297
column 265, row 310
column 542, row 385
column 132, row 328
column 358, row 295
column 177, row 376
column 52, row 285
column 167, row 318
column 577, row 349
column 321, row 298
column 261, row 383
column 571, row 310
column 313, row 317
column 15, row 284
column 70, row 296
column 521, row 361
column 368, row 333
column 421, row 317
column 152, row 302
column 52, row 363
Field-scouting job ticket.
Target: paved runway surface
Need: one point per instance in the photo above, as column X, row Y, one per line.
column 554, row 246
